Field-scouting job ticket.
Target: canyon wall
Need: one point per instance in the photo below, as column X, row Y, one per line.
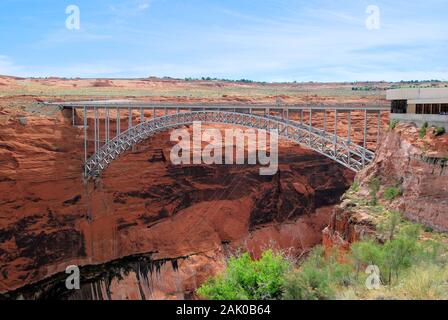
column 146, row 229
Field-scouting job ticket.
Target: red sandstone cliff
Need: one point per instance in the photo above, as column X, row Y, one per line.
column 417, row 166
column 183, row 220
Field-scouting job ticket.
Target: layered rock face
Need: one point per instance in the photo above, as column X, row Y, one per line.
column 417, row 167
column 347, row 225
column 178, row 221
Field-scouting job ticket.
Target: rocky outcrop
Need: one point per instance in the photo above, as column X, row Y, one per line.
column 415, row 166
column 347, row 225
column 418, row 167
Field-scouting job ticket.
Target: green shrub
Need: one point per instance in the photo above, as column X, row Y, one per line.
column 363, row 254
column 439, row 131
column 392, row 193
column 355, row 186
column 398, row 255
column 393, row 124
column 395, row 255
column 317, row 278
column 246, row 279
column 423, row 130
column 308, row 284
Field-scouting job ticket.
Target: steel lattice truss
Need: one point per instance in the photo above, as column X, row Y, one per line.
column 339, row 149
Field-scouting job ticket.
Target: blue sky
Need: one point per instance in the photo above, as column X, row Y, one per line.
column 266, row 40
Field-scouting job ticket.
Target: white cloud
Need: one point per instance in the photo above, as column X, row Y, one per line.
column 143, row 6
column 304, row 45
column 130, row 7
column 7, row 67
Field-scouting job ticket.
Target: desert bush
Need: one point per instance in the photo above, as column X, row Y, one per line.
column 317, row 277
column 398, row 254
column 307, row 284
column 365, row 253
column 247, row 279
column 355, row 186
column 423, row 130
column 393, row 124
column 392, row 193
column 439, row 131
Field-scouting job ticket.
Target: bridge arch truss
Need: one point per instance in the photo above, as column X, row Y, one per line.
column 323, row 138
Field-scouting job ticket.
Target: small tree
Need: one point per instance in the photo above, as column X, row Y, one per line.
column 398, row 255
column 365, row 253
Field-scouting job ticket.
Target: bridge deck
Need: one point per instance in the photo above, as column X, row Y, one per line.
column 126, row 104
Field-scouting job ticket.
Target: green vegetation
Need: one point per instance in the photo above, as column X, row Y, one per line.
column 316, row 277
column 412, row 262
column 392, row 193
column 423, row 130
column 247, row 279
column 219, row 79
column 355, row 186
column 368, row 88
column 393, row 124
column 439, row 131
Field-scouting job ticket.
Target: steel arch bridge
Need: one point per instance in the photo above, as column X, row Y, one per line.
column 325, row 141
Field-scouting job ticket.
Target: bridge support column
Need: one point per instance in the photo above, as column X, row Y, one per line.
column 118, row 122
column 349, row 136
column 379, row 129
column 311, row 125
column 85, row 141
column 365, row 140
column 269, row 119
column 325, row 121
column 106, row 125
column 95, row 118
column 335, row 131
column 98, row 129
